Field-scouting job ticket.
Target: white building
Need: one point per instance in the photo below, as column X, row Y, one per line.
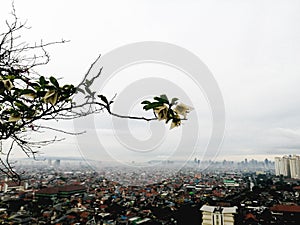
column 5, row 187
column 277, row 166
column 288, row 166
column 295, row 166
column 214, row 215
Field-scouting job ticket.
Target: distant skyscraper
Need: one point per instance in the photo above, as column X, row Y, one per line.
column 266, row 162
column 57, row 163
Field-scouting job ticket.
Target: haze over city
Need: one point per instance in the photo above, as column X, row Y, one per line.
column 250, row 47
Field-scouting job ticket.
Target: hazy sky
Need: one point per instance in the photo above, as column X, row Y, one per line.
column 251, row 47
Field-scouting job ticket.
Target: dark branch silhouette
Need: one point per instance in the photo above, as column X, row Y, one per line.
column 28, row 98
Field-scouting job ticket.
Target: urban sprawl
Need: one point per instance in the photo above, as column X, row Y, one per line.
column 207, row 193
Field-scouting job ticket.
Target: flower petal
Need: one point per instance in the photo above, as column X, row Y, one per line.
column 8, row 85
column 183, row 109
column 14, row 118
column 51, row 97
column 161, row 112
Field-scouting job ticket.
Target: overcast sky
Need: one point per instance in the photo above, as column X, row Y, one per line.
column 252, row 48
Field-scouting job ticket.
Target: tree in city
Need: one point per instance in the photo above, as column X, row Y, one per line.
column 28, row 98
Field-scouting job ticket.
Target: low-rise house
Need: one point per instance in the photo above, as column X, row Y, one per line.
column 215, row 215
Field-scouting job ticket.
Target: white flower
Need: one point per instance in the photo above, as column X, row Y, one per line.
column 51, row 97
column 8, row 85
column 161, row 112
column 30, row 95
column 175, row 122
column 183, row 109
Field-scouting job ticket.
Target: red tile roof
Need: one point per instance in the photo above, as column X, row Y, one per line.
column 250, row 216
column 84, row 214
column 71, row 187
column 285, row 208
column 49, row 190
column 56, row 190
column 14, row 184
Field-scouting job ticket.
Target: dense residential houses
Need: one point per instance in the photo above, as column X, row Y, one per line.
column 218, row 195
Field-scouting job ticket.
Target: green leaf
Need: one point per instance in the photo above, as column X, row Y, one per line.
column 103, row 98
column 88, row 90
column 146, row 107
column 36, row 86
column 21, row 106
column 1, row 86
column 162, row 100
column 88, row 82
column 163, row 96
column 11, row 77
column 27, row 91
column 54, row 82
column 66, row 87
column 41, row 93
column 152, row 105
column 145, row 102
column 42, row 80
column 174, row 101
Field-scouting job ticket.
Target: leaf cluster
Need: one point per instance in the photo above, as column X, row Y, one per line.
column 163, row 109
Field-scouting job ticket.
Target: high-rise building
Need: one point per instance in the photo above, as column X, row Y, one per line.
column 57, row 163
column 266, row 162
column 288, row 166
column 295, row 166
column 277, row 166
column 214, row 215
